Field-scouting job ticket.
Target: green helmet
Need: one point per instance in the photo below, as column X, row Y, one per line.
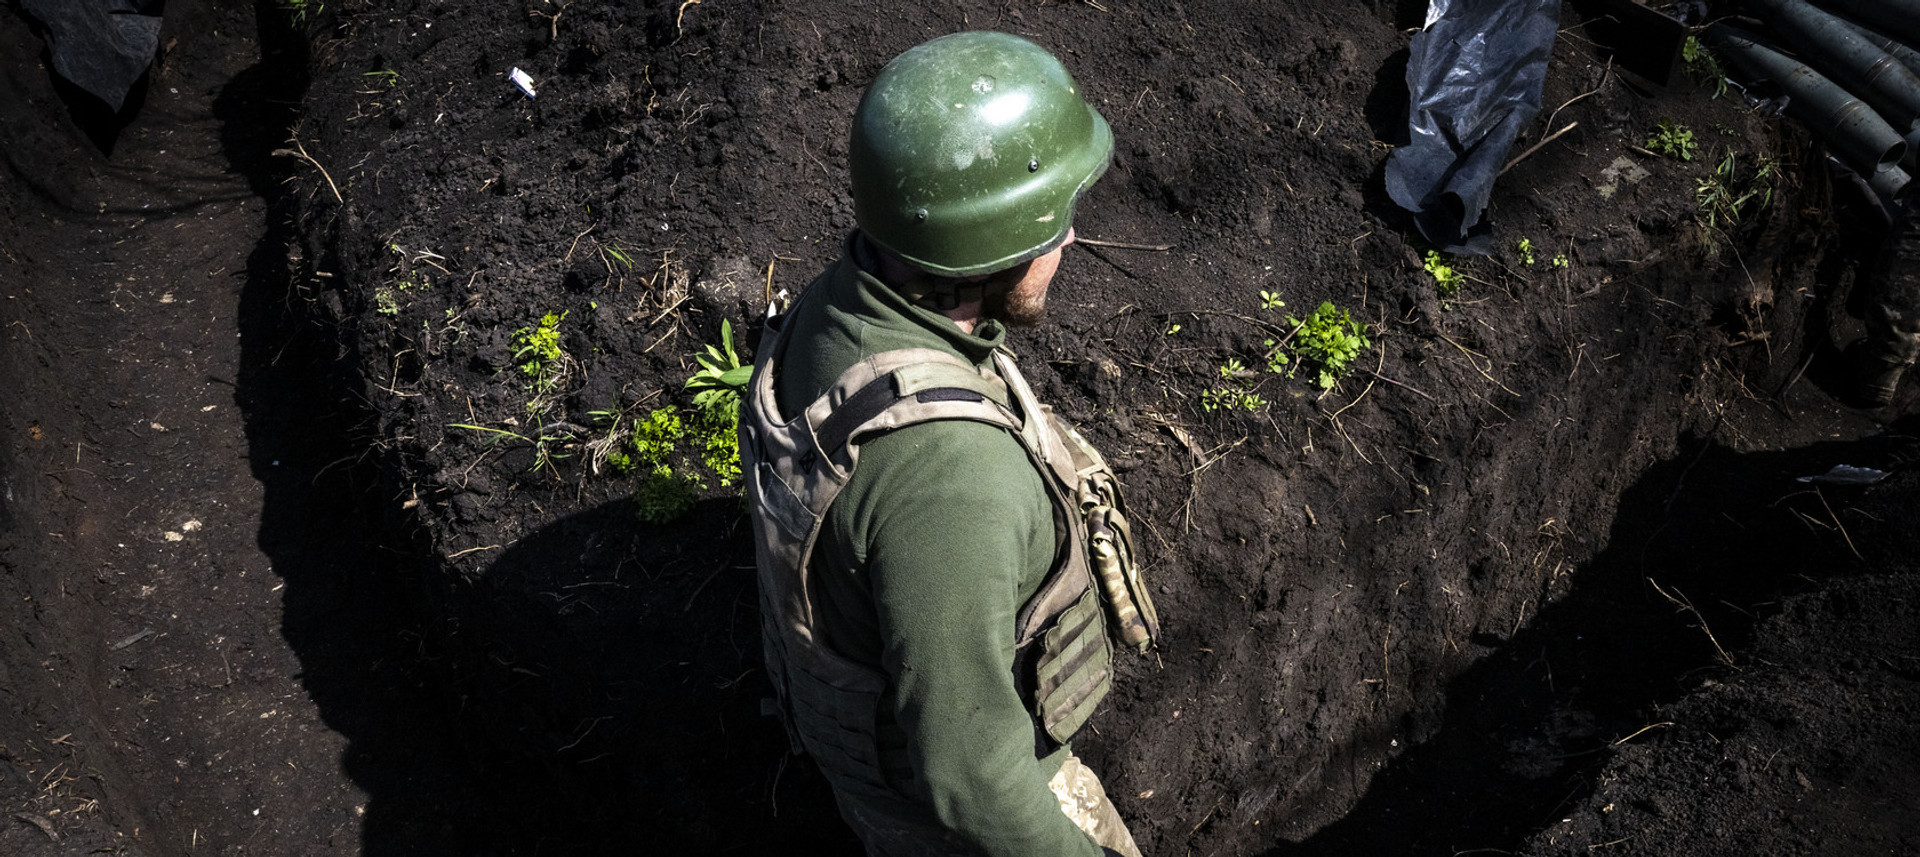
column 969, row 152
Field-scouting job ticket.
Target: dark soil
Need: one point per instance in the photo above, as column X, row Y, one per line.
column 1540, row 579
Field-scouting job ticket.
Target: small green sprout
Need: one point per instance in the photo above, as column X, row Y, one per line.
column 303, row 11
column 1525, row 249
column 1560, row 260
column 1330, row 339
column 1673, row 140
column 1172, row 329
column 1271, row 300
column 538, row 353
column 385, row 302
column 619, row 462
column 1446, row 280
column 547, row 442
column 1230, row 399
column 539, row 346
column 1277, row 357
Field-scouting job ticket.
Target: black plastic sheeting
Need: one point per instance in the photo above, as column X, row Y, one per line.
column 1474, row 76
column 101, row 46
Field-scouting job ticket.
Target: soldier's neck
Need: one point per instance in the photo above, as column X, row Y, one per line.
column 892, row 271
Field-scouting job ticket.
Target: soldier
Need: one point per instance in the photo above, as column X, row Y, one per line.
column 1882, row 357
column 941, row 561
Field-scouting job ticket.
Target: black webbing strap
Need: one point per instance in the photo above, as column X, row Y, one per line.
column 949, row 394
column 869, row 402
column 876, row 396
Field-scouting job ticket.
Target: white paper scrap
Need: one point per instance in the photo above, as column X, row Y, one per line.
column 520, row 79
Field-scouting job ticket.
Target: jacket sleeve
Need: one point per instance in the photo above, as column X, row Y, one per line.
column 957, row 526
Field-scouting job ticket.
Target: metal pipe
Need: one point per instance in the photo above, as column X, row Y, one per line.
column 1906, row 55
column 1861, row 137
column 1827, row 43
column 1888, row 182
column 1901, row 18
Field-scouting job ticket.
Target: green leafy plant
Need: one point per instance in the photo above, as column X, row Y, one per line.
column 1727, row 195
column 1271, row 300
column 665, row 496
column 1524, row 248
column 1446, row 280
column 1230, row 399
column 717, row 387
column 1329, row 339
column 1236, row 391
column 1702, row 65
column 385, row 301
column 538, row 347
column 719, row 433
column 1673, row 140
column 1560, row 260
column 538, row 353
column 618, row 461
column 656, row 436
column 302, row 11
column 722, row 376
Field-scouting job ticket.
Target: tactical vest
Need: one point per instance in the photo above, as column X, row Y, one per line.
column 795, row 468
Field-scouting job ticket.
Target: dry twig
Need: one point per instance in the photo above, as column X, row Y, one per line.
column 1638, row 732
column 300, row 151
column 1837, row 525
column 1686, row 605
column 1536, row 147
column 1121, row 245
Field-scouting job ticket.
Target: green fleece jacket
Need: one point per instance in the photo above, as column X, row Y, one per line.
column 943, row 533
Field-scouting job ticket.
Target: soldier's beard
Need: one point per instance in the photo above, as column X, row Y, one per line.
column 1022, row 307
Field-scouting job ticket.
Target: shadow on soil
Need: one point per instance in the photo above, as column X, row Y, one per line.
column 349, row 601
column 594, row 686
column 1527, row 727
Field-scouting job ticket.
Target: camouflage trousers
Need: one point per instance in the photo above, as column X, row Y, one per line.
column 1893, row 312
column 1082, row 798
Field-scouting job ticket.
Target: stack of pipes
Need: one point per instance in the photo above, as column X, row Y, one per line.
column 1854, row 80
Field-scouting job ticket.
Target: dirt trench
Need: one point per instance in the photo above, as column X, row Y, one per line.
column 1425, row 611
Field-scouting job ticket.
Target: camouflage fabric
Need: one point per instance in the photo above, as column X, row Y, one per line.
column 891, row 833
column 1892, row 319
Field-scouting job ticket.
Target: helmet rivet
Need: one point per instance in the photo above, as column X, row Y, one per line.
column 1033, row 166
column 920, row 216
